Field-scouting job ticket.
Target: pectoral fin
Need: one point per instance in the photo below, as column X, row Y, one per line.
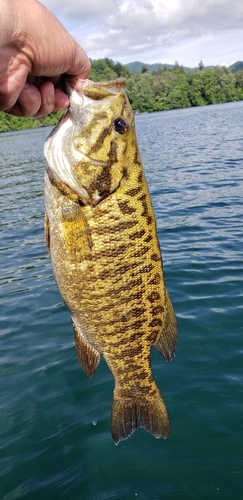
column 88, row 356
column 167, row 339
column 76, row 231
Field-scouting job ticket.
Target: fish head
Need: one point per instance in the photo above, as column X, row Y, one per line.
column 91, row 147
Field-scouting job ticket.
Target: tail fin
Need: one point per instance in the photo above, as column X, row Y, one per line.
column 128, row 414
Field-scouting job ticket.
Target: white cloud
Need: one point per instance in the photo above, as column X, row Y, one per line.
column 147, row 29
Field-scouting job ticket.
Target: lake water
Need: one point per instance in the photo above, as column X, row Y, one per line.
column 55, row 422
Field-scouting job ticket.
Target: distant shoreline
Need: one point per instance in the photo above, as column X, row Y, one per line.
column 136, row 113
column 161, row 90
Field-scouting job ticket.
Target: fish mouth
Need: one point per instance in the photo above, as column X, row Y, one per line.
column 84, row 94
column 93, row 90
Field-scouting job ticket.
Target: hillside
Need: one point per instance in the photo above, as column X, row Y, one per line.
column 237, row 66
column 138, row 67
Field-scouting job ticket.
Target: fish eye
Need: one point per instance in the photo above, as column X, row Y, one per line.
column 120, row 125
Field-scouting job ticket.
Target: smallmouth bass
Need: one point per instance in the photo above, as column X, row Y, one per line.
column 101, row 236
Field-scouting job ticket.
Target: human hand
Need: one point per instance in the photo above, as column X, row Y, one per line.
column 36, row 52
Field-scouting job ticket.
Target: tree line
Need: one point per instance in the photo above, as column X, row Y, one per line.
column 9, row 122
column 158, row 91
column 173, row 88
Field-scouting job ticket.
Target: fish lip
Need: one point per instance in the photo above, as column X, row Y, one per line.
column 78, row 85
column 73, row 84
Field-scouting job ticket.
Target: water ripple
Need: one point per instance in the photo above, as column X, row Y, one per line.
column 49, row 446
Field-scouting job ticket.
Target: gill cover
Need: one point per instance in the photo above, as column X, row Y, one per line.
column 89, row 148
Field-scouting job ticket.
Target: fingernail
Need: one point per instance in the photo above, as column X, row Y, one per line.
column 50, row 98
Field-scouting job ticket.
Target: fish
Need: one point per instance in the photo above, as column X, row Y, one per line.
column 102, row 240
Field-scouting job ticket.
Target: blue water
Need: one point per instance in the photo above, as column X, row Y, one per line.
column 55, row 437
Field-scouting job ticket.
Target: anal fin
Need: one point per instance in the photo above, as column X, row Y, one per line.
column 166, row 340
column 88, row 356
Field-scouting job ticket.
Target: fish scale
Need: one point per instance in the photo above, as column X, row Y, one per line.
column 102, row 239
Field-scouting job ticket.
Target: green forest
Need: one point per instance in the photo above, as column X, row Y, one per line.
column 160, row 90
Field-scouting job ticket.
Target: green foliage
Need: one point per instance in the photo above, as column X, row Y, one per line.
column 175, row 88
column 239, row 85
column 141, row 91
column 196, row 89
column 106, row 69
column 163, row 89
column 9, row 122
column 201, row 65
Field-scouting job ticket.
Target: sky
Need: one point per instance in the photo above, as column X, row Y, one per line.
column 150, row 31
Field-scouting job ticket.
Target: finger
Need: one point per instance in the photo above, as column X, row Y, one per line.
column 10, row 88
column 62, row 100
column 29, row 101
column 48, row 99
column 7, row 100
column 51, row 99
